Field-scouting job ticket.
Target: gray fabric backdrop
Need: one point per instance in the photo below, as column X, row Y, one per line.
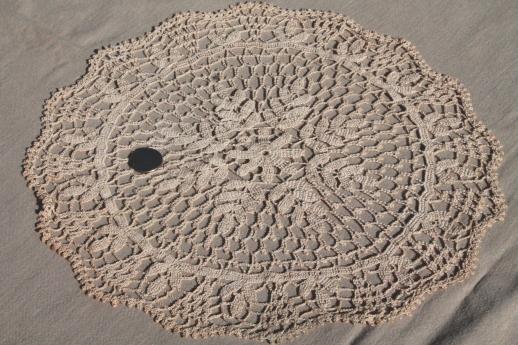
column 45, row 44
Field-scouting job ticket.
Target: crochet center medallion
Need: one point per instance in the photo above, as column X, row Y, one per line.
column 258, row 171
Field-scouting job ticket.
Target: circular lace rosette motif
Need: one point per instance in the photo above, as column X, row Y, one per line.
column 312, row 172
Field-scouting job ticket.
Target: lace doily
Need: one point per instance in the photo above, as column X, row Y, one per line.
column 311, row 172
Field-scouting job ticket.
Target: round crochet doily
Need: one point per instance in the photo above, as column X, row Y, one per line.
column 300, row 170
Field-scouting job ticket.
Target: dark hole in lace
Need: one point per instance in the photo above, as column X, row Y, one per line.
column 144, row 159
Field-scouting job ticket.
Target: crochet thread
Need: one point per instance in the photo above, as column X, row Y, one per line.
column 313, row 172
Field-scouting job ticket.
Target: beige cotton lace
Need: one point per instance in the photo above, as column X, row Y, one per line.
column 313, row 172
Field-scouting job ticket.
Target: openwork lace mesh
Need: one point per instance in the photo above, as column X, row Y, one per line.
column 312, row 172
